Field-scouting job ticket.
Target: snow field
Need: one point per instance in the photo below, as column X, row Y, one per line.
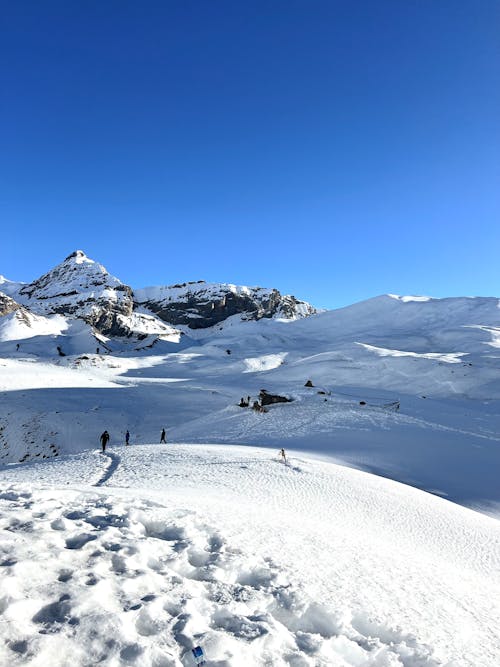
column 135, row 556
column 260, row 563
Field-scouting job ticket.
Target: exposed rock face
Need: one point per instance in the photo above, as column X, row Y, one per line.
column 268, row 399
column 83, row 288
column 7, row 305
column 200, row 305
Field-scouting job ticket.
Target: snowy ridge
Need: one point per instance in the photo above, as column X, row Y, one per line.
column 200, row 304
column 10, row 287
column 82, row 288
column 165, row 294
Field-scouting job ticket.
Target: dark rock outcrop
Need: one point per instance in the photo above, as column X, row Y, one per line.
column 200, row 305
column 7, row 305
column 268, row 399
column 82, row 288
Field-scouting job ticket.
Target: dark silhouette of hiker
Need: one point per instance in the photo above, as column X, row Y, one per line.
column 163, row 436
column 104, row 440
column 282, row 455
column 127, row 438
column 17, row 347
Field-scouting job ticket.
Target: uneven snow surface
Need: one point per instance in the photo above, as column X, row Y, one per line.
column 137, row 555
column 349, row 555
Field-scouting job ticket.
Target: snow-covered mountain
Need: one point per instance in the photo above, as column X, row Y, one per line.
column 200, row 305
column 137, row 555
column 82, row 288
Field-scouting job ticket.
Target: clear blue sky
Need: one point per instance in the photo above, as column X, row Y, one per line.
column 333, row 149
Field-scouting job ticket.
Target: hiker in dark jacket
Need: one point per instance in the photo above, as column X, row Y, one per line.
column 104, row 440
column 127, row 438
column 163, row 436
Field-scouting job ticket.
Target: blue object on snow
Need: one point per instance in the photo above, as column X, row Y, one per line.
column 197, row 652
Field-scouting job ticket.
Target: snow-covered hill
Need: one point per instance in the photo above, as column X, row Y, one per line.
column 436, row 359
column 139, row 555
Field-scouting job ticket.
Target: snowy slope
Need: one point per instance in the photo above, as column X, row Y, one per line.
column 22, row 324
column 10, row 287
column 438, row 358
column 138, row 555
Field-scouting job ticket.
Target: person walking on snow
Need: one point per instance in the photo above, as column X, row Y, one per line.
column 104, row 440
column 282, row 455
column 127, row 437
column 163, row 437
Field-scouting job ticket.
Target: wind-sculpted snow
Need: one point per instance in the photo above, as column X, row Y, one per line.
column 258, row 562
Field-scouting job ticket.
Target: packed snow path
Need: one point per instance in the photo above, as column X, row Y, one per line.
column 114, row 462
column 259, row 562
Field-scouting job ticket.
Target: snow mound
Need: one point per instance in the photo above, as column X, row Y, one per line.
column 21, row 324
column 264, row 363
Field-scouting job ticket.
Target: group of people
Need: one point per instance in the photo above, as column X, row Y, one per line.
column 163, row 439
column 104, row 439
column 255, row 406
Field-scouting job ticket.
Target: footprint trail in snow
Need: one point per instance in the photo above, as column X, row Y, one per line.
column 114, row 582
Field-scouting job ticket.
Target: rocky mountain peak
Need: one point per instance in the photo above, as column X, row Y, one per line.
column 81, row 287
column 76, row 274
column 79, row 256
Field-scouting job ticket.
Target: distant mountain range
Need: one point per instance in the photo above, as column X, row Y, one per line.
column 81, row 288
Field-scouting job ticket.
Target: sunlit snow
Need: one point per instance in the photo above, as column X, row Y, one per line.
column 350, row 554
